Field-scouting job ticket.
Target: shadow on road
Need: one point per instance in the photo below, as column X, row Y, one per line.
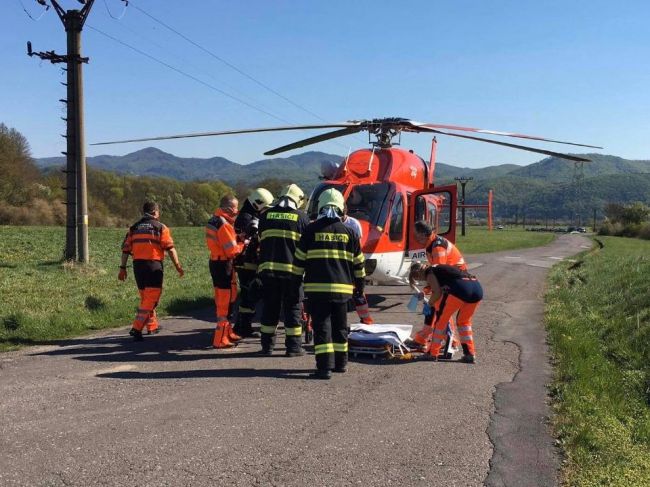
column 164, row 347
column 212, row 374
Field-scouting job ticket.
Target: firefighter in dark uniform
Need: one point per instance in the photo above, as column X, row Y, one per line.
column 246, row 228
column 280, row 230
column 329, row 254
column 147, row 240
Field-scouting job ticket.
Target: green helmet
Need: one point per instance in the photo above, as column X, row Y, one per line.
column 260, row 198
column 331, row 197
column 295, row 193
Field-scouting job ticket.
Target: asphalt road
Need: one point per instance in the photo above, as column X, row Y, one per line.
column 104, row 410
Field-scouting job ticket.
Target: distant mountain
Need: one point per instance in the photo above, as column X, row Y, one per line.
column 304, row 168
column 537, row 190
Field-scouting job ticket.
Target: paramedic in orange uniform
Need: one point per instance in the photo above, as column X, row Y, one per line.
column 147, row 240
column 439, row 251
column 222, row 242
column 454, row 291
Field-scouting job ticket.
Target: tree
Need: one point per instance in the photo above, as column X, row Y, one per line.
column 19, row 173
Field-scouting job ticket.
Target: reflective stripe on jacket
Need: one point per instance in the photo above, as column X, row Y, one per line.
column 279, row 233
column 442, row 251
column 329, row 254
column 220, row 237
column 147, row 239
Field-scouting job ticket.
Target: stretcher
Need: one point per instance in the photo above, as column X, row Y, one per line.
column 389, row 341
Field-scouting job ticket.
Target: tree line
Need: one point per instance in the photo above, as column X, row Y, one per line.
column 31, row 197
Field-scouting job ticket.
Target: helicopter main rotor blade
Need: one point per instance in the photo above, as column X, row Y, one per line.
column 316, row 139
column 233, row 132
column 514, row 146
column 496, row 132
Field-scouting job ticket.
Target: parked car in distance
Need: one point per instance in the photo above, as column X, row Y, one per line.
column 499, row 227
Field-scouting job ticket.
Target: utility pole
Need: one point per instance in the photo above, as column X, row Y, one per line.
column 463, row 181
column 76, row 243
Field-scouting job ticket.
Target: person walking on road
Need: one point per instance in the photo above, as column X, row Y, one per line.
column 457, row 292
column 280, row 230
column 439, row 251
column 246, row 263
column 147, row 241
column 222, row 242
column 329, row 255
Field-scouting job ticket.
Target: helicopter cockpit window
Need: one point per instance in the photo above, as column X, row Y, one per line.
column 396, row 229
column 435, row 209
column 367, row 202
column 312, row 205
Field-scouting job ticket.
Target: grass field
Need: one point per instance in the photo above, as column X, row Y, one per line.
column 43, row 299
column 478, row 240
column 598, row 317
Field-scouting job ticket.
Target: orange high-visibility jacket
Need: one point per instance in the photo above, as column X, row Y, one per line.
column 442, row 251
column 147, row 239
column 220, row 237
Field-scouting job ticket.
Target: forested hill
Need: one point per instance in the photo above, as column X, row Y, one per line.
column 302, row 169
column 538, row 190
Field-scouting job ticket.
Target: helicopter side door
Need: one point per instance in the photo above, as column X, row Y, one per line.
column 438, row 208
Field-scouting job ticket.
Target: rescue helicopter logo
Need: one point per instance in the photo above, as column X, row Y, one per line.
column 388, row 188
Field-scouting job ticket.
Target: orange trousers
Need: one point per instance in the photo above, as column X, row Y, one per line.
column 146, row 315
column 450, row 305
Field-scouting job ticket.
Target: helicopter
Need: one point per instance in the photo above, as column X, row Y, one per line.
column 388, row 188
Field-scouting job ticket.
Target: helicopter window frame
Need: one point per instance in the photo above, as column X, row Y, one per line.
column 379, row 215
column 396, row 220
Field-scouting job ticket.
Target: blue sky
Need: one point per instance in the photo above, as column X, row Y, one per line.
column 576, row 70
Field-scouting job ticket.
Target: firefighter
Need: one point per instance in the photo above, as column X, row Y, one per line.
column 280, row 230
column 439, row 251
column 458, row 292
column 358, row 298
column 222, row 242
column 329, row 255
column 246, row 227
column 147, row 240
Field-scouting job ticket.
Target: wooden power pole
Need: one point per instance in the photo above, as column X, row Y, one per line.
column 76, row 242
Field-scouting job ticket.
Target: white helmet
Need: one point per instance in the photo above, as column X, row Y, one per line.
column 294, row 193
column 260, row 198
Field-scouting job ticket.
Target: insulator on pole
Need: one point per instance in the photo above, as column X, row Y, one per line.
column 62, row 100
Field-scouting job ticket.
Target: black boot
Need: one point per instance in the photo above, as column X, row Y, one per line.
column 321, row 374
column 268, row 344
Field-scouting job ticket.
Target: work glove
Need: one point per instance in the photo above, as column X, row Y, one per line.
column 122, row 274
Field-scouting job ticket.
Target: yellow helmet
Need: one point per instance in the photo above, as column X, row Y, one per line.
column 295, row 193
column 260, row 198
column 331, row 197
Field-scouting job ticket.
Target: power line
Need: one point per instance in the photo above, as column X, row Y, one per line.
column 126, row 5
column 230, row 65
column 187, row 75
column 47, row 7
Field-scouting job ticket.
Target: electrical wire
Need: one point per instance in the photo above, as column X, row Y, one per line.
column 126, row 5
column 230, row 65
column 187, row 75
column 47, row 7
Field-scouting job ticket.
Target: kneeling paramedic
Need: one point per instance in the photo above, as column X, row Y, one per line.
column 457, row 292
column 329, row 255
column 147, row 240
column 280, row 230
column 439, row 251
column 222, row 242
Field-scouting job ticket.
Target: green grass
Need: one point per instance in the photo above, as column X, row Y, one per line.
column 478, row 240
column 42, row 299
column 598, row 318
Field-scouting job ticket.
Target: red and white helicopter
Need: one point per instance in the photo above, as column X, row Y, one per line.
column 388, row 188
